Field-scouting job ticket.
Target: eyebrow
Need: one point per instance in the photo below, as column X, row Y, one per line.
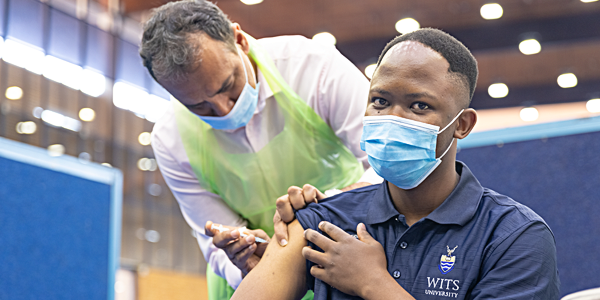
column 222, row 89
column 381, row 91
column 420, row 95
column 411, row 95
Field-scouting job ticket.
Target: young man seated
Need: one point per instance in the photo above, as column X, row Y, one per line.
column 430, row 230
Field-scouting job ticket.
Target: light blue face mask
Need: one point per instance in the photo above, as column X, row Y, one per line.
column 400, row 150
column 242, row 111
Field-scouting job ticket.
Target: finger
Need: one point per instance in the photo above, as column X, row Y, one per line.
column 318, row 239
column 281, row 232
column 311, row 189
column 333, row 231
column 221, row 240
column 260, row 249
column 296, row 197
column 207, row 229
column 259, row 233
column 363, row 234
column 284, row 208
column 310, row 193
column 315, row 256
column 232, row 249
column 319, row 273
column 242, row 256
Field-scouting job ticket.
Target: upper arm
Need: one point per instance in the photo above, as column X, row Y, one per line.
column 523, row 266
column 281, row 273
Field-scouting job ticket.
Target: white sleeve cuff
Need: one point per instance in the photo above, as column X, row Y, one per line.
column 219, row 262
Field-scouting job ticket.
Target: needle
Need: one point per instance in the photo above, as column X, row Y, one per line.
column 220, row 228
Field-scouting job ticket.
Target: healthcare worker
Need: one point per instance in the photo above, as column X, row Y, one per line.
column 252, row 119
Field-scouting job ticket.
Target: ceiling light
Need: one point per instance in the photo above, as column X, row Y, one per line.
column 144, row 138
column 28, row 127
column 593, row 105
column 529, row 114
column 14, row 93
column 152, row 236
column 567, row 80
column 87, row 114
column 588, row 1
column 23, row 56
column 58, row 120
column 93, row 84
column 530, row 46
column 147, row 164
column 370, row 70
column 498, row 90
column 56, row 150
column 407, row 25
column 62, row 71
column 491, row 11
column 325, row 38
column 251, row 2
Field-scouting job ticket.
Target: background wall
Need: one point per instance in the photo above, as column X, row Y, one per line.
column 559, row 178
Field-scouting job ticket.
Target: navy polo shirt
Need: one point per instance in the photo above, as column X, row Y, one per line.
column 477, row 244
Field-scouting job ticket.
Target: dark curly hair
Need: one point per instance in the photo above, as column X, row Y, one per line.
column 167, row 49
column 462, row 62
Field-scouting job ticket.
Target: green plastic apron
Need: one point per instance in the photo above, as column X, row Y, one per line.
column 305, row 151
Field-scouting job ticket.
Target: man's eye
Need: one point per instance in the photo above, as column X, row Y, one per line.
column 420, row 106
column 380, row 102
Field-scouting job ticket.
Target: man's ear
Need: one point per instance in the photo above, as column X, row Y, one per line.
column 466, row 122
column 240, row 38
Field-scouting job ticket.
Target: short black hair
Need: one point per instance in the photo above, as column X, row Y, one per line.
column 167, row 50
column 458, row 56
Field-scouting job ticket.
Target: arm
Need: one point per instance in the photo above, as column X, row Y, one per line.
column 196, row 203
column 281, row 273
column 522, row 266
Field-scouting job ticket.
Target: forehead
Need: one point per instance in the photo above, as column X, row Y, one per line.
column 211, row 54
column 415, row 57
column 410, row 65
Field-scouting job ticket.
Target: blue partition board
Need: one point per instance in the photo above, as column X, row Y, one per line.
column 555, row 170
column 60, row 225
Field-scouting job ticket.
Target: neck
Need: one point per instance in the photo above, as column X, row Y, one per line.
column 419, row 202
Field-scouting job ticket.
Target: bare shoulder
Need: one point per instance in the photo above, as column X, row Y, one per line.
column 281, row 273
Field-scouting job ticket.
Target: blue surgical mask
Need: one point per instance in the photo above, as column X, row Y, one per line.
column 400, row 150
column 242, row 111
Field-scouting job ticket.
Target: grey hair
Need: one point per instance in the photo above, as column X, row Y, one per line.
column 168, row 50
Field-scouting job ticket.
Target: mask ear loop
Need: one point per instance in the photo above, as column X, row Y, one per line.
column 450, row 146
column 453, row 120
column 244, row 66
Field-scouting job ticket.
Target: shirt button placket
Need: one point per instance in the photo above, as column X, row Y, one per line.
column 403, row 245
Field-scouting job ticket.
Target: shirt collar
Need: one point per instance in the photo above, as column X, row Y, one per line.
column 458, row 208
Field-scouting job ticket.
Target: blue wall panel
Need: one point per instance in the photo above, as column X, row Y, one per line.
column 559, row 178
column 65, row 37
column 59, row 226
column 25, row 21
column 99, row 50
column 130, row 67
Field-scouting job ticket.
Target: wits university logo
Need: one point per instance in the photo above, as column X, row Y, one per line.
column 447, row 262
column 444, row 287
